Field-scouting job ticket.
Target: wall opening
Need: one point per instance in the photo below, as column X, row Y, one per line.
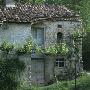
column 59, row 37
column 59, row 26
column 59, row 62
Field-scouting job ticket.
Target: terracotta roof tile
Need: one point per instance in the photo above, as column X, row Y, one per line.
column 28, row 13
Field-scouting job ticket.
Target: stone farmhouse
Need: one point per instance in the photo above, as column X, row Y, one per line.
column 46, row 24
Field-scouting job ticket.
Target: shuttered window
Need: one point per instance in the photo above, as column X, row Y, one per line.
column 38, row 35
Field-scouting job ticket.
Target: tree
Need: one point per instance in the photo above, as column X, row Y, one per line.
column 85, row 14
column 63, row 2
column 2, row 2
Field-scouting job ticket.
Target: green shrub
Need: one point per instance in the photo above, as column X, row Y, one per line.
column 83, row 83
column 8, row 70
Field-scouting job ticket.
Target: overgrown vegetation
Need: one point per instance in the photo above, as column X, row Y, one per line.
column 57, row 48
column 80, row 6
column 9, row 66
column 27, row 48
column 83, row 83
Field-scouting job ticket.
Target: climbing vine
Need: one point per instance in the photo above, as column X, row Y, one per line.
column 6, row 46
column 57, row 49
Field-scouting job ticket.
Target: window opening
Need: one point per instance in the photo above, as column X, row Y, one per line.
column 60, row 62
column 59, row 37
column 59, row 26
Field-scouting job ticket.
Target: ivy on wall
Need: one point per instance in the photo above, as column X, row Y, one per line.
column 57, row 49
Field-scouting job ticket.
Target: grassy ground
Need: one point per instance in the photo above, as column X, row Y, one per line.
column 83, row 83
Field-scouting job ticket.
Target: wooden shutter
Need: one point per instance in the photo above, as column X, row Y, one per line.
column 34, row 34
column 40, row 36
column 37, row 72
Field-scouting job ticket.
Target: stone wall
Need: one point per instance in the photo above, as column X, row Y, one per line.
column 52, row 30
column 15, row 33
column 18, row 33
column 25, row 76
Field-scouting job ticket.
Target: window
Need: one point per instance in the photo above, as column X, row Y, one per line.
column 38, row 35
column 60, row 62
column 59, row 37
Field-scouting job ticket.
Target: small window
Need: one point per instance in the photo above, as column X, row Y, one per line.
column 59, row 37
column 59, row 26
column 60, row 62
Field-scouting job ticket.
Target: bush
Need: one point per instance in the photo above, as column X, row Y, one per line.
column 8, row 70
column 83, row 83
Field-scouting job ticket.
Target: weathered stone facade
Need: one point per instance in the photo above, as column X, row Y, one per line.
column 43, row 24
column 42, row 70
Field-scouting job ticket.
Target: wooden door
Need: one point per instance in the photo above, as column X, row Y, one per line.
column 37, row 69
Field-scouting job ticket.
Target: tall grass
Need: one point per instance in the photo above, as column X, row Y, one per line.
column 83, row 83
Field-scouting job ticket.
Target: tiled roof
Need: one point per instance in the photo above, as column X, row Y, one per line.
column 29, row 13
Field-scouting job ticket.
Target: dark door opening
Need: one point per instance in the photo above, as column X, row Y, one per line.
column 86, row 61
column 59, row 37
